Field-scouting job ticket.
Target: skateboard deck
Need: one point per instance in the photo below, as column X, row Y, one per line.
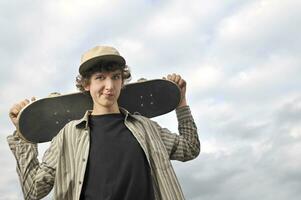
column 42, row 119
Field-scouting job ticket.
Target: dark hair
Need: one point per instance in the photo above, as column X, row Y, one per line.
column 84, row 79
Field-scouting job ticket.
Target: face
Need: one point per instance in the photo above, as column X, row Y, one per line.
column 105, row 89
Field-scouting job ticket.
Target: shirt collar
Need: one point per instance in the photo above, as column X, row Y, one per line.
column 83, row 122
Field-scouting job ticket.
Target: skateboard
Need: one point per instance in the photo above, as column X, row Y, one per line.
column 42, row 119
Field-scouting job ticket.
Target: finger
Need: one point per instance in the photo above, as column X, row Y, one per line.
column 33, row 98
column 173, row 77
column 177, row 78
column 24, row 103
column 18, row 106
column 169, row 77
column 13, row 111
column 182, row 83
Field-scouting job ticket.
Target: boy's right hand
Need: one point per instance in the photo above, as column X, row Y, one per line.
column 16, row 108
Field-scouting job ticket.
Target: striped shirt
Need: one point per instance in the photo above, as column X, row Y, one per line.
column 64, row 162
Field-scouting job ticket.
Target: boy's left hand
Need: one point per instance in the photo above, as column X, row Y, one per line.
column 177, row 79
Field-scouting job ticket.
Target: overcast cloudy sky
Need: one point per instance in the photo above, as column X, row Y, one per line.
column 241, row 60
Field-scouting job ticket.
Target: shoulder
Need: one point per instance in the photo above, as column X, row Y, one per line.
column 69, row 129
column 141, row 118
column 145, row 121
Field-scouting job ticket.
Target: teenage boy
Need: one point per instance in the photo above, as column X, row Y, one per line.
column 110, row 153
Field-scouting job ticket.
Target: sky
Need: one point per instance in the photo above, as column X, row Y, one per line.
column 241, row 60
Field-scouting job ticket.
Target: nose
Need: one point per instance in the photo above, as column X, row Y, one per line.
column 109, row 84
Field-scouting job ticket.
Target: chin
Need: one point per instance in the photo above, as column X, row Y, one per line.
column 107, row 103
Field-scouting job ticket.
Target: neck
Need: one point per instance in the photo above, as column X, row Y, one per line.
column 104, row 110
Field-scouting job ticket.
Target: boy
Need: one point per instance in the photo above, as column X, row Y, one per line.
column 109, row 153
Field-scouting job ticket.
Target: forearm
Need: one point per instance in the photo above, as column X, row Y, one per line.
column 187, row 144
column 183, row 103
column 33, row 176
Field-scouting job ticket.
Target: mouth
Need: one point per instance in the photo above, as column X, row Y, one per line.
column 108, row 95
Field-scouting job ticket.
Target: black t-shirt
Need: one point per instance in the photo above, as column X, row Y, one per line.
column 117, row 167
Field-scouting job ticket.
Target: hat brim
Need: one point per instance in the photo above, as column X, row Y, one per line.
column 84, row 67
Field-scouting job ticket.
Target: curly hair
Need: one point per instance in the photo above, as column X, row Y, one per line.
column 84, row 79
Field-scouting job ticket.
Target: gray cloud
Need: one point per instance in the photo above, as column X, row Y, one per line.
column 263, row 167
column 241, row 60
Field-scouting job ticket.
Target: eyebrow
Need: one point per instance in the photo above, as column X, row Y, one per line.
column 114, row 73
column 117, row 73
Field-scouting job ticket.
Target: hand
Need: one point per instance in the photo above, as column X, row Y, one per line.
column 177, row 79
column 16, row 108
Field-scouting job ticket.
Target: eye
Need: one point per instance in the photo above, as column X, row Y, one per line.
column 116, row 76
column 99, row 77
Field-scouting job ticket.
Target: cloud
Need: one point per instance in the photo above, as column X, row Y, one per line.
column 255, row 32
column 262, row 167
column 241, row 61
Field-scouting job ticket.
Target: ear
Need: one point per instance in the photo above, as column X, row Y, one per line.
column 87, row 87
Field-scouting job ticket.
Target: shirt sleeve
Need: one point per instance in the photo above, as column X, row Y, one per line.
column 36, row 178
column 185, row 145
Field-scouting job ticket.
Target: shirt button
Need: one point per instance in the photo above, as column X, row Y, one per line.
column 84, row 159
column 79, row 182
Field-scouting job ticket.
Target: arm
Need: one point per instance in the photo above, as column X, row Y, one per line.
column 36, row 178
column 185, row 145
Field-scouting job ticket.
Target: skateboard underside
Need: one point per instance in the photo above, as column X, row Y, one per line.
column 41, row 120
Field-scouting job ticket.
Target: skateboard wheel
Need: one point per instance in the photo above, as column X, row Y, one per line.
column 54, row 94
column 141, row 80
